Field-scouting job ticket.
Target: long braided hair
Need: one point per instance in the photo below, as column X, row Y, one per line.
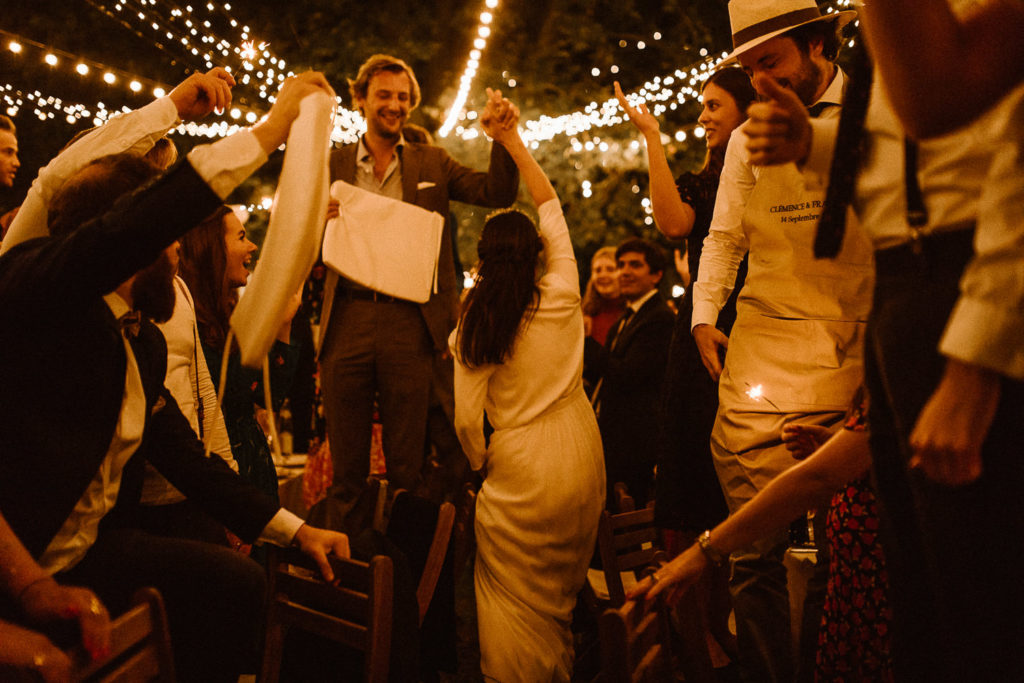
column 504, row 293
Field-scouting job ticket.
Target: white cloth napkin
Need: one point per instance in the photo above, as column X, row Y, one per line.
column 294, row 233
column 387, row 245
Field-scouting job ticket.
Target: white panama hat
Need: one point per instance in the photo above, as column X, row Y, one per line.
column 756, row 21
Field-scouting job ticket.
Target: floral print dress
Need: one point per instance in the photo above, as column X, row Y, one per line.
column 854, row 638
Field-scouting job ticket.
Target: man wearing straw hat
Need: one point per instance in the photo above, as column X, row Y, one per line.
column 795, row 352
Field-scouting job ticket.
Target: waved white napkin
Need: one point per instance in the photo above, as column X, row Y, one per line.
column 387, row 245
column 294, row 233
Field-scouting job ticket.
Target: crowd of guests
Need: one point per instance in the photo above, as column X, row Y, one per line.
column 850, row 343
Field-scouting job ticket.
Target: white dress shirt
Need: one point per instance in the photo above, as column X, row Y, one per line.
column 770, row 212
column 971, row 175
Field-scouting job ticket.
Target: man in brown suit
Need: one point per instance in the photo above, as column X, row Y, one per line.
column 372, row 343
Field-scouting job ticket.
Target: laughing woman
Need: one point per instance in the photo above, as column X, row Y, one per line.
column 519, row 352
column 214, row 259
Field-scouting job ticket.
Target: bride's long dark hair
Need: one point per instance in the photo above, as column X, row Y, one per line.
column 504, row 292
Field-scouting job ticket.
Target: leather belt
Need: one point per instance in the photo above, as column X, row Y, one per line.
column 374, row 296
column 952, row 248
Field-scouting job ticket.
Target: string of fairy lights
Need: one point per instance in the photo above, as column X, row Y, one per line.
column 187, row 33
column 483, row 32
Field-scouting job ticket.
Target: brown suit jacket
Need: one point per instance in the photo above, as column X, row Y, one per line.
column 428, row 164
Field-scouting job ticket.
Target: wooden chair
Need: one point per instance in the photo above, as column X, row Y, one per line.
column 635, row 643
column 140, row 646
column 405, row 528
column 627, row 543
column 356, row 611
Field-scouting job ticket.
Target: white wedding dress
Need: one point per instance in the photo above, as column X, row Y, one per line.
column 538, row 509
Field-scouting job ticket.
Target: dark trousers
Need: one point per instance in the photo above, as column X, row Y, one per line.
column 954, row 554
column 383, row 349
column 214, row 596
column 688, row 495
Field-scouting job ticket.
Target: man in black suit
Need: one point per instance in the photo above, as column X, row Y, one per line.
column 626, row 372
column 374, row 344
column 81, row 390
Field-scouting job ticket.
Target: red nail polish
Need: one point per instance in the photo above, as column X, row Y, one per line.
column 71, row 611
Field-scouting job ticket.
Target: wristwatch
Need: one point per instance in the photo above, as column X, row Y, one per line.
column 704, row 541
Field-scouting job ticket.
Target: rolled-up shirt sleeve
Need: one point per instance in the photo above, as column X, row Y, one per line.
column 227, row 162
column 986, row 327
column 133, row 132
column 726, row 243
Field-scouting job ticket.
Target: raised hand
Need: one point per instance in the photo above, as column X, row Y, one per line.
column 641, row 118
column 200, row 94
column 500, row 118
column 272, row 132
column 778, row 130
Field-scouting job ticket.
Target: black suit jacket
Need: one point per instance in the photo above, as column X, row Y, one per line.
column 424, row 165
column 631, row 377
column 62, row 368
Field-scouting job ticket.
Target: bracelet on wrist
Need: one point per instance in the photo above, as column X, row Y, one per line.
column 714, row 556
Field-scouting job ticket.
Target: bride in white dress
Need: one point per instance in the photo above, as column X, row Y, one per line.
column 519, row 356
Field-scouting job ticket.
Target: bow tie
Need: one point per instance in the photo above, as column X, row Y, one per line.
column 130, row 324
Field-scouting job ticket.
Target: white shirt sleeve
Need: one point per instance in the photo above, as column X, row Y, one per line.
column 134, row 132
column 226, row 163
column 558, row 252
column 726, row 243
column 986, row 327
column 470, row 395
column 281, row 528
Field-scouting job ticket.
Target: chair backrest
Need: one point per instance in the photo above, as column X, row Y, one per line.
column 627, row 542
column 422, row 529
column 355, row 610
column 140, row 646
column 623, row 501
column 435, row 558
column 635, row 643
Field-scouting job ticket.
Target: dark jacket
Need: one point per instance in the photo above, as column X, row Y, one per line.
column 631, row 366
column 451, row 181
column 62, row 370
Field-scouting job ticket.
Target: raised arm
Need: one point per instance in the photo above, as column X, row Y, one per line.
column 929, row 58
column 499, row 120
column 672, row 215
column 133, row 132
